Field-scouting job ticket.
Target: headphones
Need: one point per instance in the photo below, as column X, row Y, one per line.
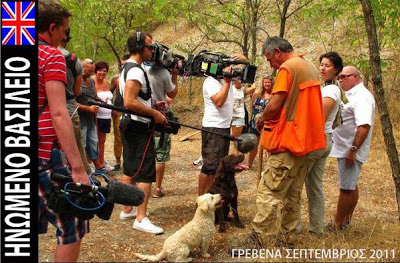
column 139, row 41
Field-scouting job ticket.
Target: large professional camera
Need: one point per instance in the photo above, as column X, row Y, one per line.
column 204, row 64
column 163, row 56
column 212, row 64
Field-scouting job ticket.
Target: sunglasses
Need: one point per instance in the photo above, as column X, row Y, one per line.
column 344, row 76
column 152, row 47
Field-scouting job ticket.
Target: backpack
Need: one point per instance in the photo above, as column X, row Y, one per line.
column 70, row 61
column 127, row 67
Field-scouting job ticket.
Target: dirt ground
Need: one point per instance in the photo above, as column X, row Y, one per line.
column 375, row 224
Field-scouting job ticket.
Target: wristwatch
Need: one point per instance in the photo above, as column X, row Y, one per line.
column 353, row 148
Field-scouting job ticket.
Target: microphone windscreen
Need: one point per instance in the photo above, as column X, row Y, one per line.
column 124, row 194
column 246, row 143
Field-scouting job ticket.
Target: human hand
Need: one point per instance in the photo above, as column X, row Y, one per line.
column 94, row 108
column 351, row 158
column 161, row 105
column 159, row 118
column 80, row 176
column 228, row 70
column 175, row 69
column 239, row 57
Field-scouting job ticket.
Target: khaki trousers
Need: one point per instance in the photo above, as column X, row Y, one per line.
column 117, row 135
column 280, row 186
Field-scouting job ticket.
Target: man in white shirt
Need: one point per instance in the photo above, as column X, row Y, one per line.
column 218, row 109
column 136, row 135
column 351, row 142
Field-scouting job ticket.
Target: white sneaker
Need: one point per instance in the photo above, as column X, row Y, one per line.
column 131, row 214
column 109, row 167
column 147, row 226
column 92, row 167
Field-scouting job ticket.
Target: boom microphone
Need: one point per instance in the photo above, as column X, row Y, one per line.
column 124, row 194
column 114, row 192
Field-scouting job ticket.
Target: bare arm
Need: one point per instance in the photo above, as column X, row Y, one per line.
column 77, row 85
column 273, row 107
column 219, row 98
column 92, row 108
column 249, row 90
column 131, row 102
column 328, row 104
column 114, row 83
column 63, row 126
column 361, row 135
column 174, row 79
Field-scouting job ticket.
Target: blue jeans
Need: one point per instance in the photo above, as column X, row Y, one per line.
column 90, row 140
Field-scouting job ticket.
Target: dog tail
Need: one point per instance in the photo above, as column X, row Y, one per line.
column 157, row 257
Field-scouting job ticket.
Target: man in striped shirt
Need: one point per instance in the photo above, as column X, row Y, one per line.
column 55, row 126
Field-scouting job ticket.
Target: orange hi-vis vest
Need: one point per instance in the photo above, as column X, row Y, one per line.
column 300, row 127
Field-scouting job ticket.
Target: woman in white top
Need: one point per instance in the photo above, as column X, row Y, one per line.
column 238, row 116
column 104, row 114
column 330, row 66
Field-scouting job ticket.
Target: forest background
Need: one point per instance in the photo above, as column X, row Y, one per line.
column 99, row 31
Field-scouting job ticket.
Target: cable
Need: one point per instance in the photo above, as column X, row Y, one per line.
column 80, row 207
column 145, row 151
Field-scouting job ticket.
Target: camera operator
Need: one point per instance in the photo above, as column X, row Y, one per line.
column 137, row 132
column 164, row 89
column 56, row 126
column 218, row 110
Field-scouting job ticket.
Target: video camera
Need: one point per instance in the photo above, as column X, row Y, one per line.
column 84, row 201
column 163, row 56
column 204, row 64
column 212, row 64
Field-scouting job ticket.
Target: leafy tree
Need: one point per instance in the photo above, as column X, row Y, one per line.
column 101, row 28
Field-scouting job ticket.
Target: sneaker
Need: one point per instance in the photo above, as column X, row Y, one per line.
column 198, row 161
column 158, row 193
column 251, row 242
column 108, row 167
column 117, row 167
column 91, row 165
column 147, row 226
column 131, row 214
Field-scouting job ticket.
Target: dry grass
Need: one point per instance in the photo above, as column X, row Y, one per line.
column 375, row 224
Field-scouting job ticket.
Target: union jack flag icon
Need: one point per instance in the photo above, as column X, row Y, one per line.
column 18, row 23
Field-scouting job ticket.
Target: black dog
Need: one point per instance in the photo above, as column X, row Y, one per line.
column 225, row 185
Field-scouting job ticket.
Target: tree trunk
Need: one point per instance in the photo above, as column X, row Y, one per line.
column 380, row 96
column 286, row 4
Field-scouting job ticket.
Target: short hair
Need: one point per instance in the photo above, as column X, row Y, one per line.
column 335, row 58
column 101, row 65
column 87, row 61
column 50, row 12
column 276, row 42
column 131, row 43
column 126, row 57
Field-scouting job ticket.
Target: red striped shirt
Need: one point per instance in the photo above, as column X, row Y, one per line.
column 51, row 67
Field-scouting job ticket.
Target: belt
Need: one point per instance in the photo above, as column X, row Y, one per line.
column 139, row 125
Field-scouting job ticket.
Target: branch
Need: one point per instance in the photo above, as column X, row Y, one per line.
column 300, row 7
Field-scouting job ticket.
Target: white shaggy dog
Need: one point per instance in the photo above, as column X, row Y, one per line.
column 195, row 234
